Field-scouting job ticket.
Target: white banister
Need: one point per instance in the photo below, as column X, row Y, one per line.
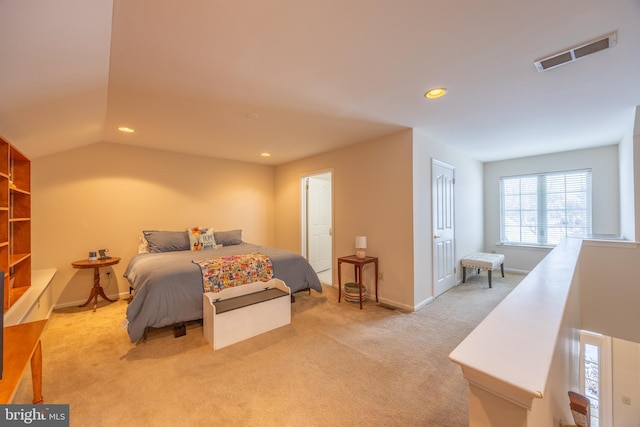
column 507, row 359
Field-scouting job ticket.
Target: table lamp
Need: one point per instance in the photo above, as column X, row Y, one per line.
column 361, row 245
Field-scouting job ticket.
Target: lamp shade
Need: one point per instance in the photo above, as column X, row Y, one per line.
column 361, row 242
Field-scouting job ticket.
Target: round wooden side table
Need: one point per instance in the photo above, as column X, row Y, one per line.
column 97, row 289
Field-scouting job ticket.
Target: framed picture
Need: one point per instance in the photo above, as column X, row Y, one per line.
column 103, row 253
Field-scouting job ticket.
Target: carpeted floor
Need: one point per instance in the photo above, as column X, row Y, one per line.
column 334, row 365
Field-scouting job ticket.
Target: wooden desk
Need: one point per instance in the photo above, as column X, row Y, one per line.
column 97, row 289
column 357, row 266
column 21, row 345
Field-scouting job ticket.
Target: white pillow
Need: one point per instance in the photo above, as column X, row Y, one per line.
column 201, row 238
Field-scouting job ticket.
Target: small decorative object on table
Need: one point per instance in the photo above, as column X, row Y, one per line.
column 103, row 253
column 361, row 245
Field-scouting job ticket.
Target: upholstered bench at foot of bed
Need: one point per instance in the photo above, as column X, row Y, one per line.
column 482, row 261
column 235, row 314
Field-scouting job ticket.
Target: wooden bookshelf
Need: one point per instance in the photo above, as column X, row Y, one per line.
column 15, row 222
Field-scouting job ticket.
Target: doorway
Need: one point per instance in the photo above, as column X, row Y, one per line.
column 443, row 219
column 317, row 239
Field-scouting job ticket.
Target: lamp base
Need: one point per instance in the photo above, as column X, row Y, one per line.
column 360, row 254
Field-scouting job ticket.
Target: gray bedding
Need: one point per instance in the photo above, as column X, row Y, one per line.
column 168, row 285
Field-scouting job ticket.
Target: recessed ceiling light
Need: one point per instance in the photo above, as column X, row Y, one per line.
column 435, row 93
column 265, row 154
column 126, row 129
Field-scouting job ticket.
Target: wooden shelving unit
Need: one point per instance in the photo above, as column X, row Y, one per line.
column 15, row 222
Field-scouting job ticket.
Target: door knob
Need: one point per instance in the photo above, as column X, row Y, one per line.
column 435, row 236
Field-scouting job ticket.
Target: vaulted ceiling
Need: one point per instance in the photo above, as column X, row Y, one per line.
column 232, row 79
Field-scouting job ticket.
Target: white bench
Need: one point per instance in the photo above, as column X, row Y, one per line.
column 235, row 314
column 482, row 261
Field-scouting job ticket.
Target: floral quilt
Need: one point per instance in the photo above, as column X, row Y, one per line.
column 234, row 270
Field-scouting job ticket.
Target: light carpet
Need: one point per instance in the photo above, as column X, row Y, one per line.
column 334, row 365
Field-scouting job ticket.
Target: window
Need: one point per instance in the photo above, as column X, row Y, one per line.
column 595, row 377
column 543, row 209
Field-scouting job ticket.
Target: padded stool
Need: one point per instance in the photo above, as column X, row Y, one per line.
column 482, row 261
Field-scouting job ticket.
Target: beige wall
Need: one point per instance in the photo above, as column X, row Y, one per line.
column 372, row 193
column 382, row 189
column 103, row 195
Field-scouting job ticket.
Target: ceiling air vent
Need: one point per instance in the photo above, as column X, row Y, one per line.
column 577, row 52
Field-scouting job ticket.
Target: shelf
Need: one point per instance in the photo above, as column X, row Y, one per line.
column 4, row 158
column 18, row 190
column 15, row 259
column 15, row 222
column 16, row 293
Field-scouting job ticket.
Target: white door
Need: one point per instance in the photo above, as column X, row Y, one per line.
column 442, row 187
column 319, row 221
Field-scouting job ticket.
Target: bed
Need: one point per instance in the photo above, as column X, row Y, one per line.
column 168, row 285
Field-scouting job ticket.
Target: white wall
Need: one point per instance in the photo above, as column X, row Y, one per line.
column 609, row 289
column 636, row 180
column 605, row 196
column 627, row 204
column 609, row 295
column 103, row 195
column 626, row 382
column 468, row 204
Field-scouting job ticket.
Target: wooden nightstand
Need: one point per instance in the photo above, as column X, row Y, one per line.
column 97, row 289
column 357, row 266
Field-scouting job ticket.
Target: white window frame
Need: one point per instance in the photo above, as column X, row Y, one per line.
column 542, row 230
column 605, row 385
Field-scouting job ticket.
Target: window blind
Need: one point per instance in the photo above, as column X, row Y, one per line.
column 543, row 209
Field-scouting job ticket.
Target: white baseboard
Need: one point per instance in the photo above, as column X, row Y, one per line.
column 513, row 270
column 393, row 303
column 121, row 295
column 423, row 303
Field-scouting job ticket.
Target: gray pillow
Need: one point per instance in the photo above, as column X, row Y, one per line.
column 228, row 238
column 166, row 241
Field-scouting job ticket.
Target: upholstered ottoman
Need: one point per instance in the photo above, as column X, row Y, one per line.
column 482, row 261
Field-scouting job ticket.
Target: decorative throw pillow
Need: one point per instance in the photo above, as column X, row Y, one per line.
column 143, row 245
column 201, row 238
